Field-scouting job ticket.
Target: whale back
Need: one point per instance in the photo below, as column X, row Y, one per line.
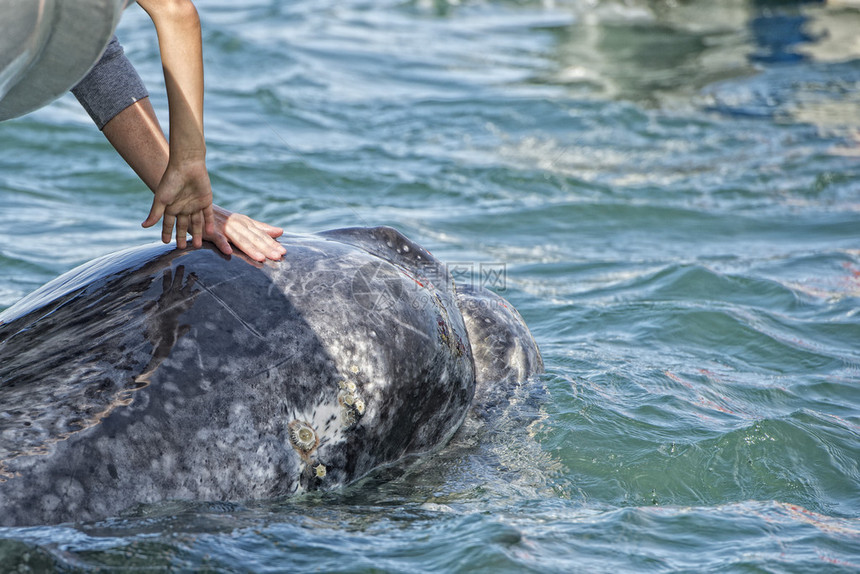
column 161, row 374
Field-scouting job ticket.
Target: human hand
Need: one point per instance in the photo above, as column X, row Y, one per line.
column 255, row 238
column 184, row 198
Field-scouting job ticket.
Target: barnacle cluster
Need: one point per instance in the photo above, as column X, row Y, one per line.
column 351, row 405
column 305, row 440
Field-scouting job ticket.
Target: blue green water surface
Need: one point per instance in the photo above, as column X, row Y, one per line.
column 673, row 192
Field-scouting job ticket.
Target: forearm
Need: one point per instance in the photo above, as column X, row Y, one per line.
column 179, row 38
column 136, row 134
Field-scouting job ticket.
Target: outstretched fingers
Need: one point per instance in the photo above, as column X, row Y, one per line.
column 270, row 230
column 254, row 238
column 257, row 239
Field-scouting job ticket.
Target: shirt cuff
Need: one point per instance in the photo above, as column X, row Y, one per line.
column 111, row 86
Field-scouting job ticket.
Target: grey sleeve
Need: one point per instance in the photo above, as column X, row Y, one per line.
column 111, row 86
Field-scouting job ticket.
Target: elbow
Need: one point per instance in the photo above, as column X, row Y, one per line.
column 182, row 11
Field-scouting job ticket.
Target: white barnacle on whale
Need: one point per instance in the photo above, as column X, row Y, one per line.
column 346, row 387
column 302, row 436
column 351, row 405
column 320, row 470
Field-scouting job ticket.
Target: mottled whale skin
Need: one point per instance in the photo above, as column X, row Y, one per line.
column 155, row 374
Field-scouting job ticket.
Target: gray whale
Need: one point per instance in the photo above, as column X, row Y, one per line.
column 155, row 374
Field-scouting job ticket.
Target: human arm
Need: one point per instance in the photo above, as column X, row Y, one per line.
column 136, row 134
column 183, row 195
column 114, row 96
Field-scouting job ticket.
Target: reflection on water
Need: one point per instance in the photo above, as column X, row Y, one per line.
column 661, row 56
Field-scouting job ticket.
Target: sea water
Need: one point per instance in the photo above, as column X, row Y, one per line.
column 669, row 192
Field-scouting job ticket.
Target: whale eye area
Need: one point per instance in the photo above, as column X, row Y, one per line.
column 302, row 436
